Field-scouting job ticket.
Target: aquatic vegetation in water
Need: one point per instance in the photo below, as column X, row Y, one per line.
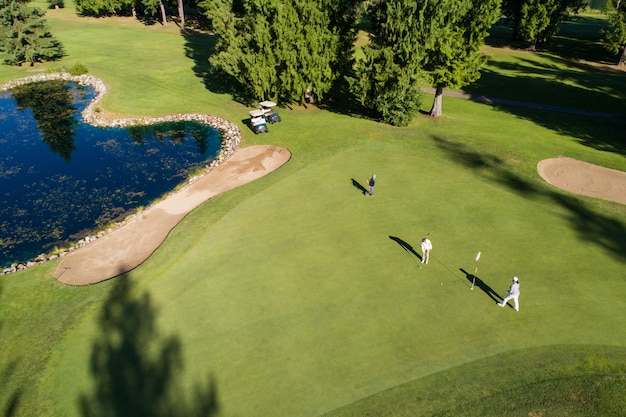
column 61, row 177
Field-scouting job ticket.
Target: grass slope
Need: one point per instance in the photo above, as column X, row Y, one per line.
column 296, row 295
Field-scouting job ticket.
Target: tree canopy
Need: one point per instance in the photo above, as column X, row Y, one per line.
column 135, row 8
column 24, row 35
column 435, row 41
column 614, row 39
column 282, row 50
column 388, row 79
column 537, row 21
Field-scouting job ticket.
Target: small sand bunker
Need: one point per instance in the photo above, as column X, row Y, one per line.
column 584, row 178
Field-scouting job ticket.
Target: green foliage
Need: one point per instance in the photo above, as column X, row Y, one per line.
column 614, row 39
column 282, row 50
column 538, row 20
column 78, row 69
column 103, row 7
column 56, row 4
column 453, row 32
column 438, row 41
column 25, row 35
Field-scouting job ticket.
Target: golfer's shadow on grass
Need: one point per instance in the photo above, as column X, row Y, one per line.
column 359, row 187
column 406, row 246
column 483, row 286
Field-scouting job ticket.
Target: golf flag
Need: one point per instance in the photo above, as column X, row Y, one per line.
column 475, row 270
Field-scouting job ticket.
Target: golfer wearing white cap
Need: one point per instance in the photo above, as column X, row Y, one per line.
column 513, row 293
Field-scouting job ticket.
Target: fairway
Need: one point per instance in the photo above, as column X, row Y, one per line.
column 299, row 301
column 297, row 295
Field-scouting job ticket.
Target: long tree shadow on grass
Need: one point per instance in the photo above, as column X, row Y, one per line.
column 597, row 128
column 10, row 408
column 135, row 369
column 607, row 232
column 9, row 401
column 199, row 46
column 482, row 285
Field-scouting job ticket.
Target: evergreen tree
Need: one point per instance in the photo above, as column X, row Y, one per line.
column 614, row 39
column 453, row 32
column 282, row 50
column 388, row 78
column 537, row 21
column 104, row 7
column 151, row 7
column 24, row 35
column 437, row 40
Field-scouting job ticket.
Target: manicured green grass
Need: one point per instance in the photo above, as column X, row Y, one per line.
column 295, row 294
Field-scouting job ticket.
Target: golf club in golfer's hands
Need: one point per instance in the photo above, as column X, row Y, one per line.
column 475, row 269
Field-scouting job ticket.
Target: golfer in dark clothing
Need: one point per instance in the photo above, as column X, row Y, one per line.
column 372, row 183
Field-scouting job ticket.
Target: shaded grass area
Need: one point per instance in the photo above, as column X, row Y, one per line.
column 294, row 294
column 35, row 313
column 549, row 79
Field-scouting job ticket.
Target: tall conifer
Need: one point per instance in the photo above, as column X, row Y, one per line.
column 283, row 50
column 433, row 40
column 24, row 35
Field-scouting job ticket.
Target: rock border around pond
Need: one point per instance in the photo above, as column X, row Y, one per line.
column 230, row 134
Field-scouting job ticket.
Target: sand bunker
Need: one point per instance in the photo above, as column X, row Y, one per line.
column 130, row 245
column 584, row 178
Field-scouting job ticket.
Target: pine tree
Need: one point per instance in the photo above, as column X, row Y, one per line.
column 436, row 40
column 388, row 78
column 24, row 35
column 537, row 21
column 614, row 39
column 104, row 7
column 453, row 32
column 282, row 50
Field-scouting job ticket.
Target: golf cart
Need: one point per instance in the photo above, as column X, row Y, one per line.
column 270, row 115
column 257, row 122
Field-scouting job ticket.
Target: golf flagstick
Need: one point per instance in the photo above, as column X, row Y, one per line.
column 475, row 269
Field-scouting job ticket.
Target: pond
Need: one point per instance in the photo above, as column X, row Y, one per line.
column 61, row 178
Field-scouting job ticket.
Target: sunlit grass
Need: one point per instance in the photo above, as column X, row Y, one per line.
column 291, row 292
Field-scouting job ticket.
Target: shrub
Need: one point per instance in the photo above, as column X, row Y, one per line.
column 78, row 69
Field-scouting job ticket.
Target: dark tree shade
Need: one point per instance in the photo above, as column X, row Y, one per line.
column 24, row 35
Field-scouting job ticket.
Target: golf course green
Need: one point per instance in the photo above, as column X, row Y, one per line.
column 297, row 295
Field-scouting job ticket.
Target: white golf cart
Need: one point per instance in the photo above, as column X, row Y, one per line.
column 270, row 115
column 257, row 122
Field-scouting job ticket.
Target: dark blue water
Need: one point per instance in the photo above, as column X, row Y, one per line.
column 61, row 178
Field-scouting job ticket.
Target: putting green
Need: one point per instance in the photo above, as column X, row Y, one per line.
column 299, row 301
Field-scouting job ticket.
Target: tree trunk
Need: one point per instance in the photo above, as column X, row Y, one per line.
column 181, row 14
column 622, row 58
column 437, row 109
column 163, row 15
